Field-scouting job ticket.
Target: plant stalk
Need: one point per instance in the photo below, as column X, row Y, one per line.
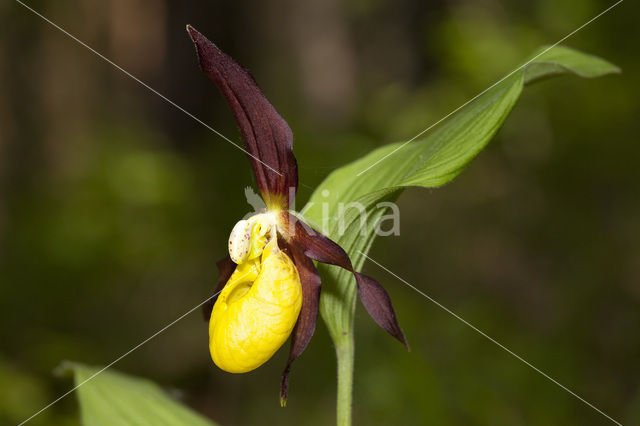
column 345, row 357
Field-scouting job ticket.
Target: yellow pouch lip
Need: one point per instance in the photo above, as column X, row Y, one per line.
column 250, row 271
column 262, row 318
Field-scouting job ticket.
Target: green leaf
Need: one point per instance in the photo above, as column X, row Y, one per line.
column 112, row 398
column 432, row 160
column 563, row 60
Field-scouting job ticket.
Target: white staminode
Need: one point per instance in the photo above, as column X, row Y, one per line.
column 261, row 227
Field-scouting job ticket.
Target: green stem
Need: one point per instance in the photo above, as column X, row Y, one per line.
column 345, row 353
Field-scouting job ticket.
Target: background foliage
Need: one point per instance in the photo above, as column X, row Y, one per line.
column 114, row 206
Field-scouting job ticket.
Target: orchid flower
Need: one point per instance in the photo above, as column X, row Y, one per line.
column 269, row 288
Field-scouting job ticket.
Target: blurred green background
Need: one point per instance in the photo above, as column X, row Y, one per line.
column 114, row 205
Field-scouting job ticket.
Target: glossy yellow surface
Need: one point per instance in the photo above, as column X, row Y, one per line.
column 256, row 312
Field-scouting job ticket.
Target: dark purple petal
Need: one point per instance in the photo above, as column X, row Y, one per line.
column 373, row 296
column 226, row 267
column 377, row 302
column 306, row 324
column 316, row 245
column 267, row 137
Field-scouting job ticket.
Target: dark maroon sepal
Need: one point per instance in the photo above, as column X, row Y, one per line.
column 226, row 266
column 266, row 135
column 373, row 296
column 306, row 325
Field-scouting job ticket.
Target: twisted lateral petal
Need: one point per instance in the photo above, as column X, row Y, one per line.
column 256, row 312
column 306, row 325
column 372, row 295
column 265, row 133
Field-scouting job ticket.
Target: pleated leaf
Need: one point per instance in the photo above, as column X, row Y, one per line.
column 431, row 160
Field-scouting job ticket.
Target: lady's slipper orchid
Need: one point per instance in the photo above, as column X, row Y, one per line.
column 269, row 287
